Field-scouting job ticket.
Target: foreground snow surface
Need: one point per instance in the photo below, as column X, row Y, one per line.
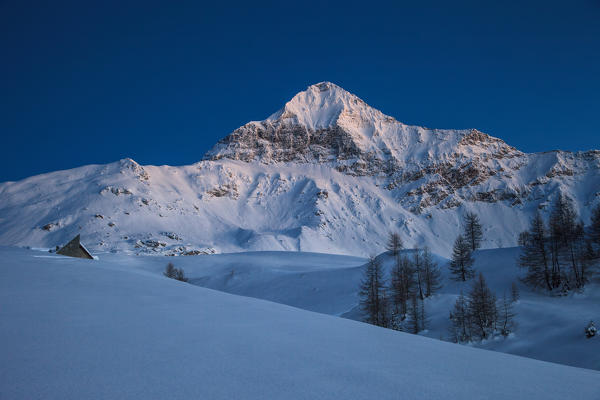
column 549, row 328
column 83, row 329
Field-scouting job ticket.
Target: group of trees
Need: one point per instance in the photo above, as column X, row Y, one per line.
column 479, row 315
column 398, row 302
column 465, row 244
column 414, row 277
column 559, row 254
column 175, row 273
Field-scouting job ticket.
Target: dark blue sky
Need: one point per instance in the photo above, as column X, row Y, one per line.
column 160, row 82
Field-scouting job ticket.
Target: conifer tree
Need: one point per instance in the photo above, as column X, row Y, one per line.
column 372, row 293
column 385, row 314
column 460, row 329
column 394, row 244
column 402, row 284
column 174, row 273
column 473, row 232
column 507, row 315
column 179, row 275
column 557, row 239
column 535, row 254
column 595, row 226
column 578, row 255
column 414, row 318
column 170, row 271
column 423, row 315
column 417, row 320
column 419, row 273
column 432, row 273
column 462, row 260
column 482, row 308
column 567, row 240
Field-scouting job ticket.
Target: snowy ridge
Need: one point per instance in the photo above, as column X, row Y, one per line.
column 326, row 173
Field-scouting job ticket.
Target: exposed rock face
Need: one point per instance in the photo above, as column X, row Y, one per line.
column 325, row 173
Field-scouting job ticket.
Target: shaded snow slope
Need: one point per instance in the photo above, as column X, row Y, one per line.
column 76, row 329
column 549, row 328
column 326, row 173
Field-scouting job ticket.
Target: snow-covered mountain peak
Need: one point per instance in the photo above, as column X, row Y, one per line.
column 320, row 107
column 321, row 124
column 326, row 124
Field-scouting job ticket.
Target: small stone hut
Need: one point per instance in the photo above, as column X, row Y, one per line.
column 75, row 249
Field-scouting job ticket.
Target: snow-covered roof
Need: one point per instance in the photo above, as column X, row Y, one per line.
column 86, row 250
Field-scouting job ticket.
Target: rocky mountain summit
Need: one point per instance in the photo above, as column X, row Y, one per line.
column 327, row 125
column 326, row 173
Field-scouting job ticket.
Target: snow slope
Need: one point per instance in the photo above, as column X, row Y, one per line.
column 76, row 329
column 326, row 173
column 549, row 328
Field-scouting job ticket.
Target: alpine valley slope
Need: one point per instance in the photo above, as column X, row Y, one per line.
column 83, row 329
column 326, row 173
